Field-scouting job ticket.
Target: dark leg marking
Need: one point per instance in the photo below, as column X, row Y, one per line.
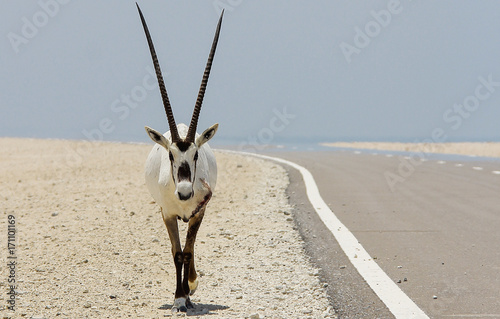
column 189, row 270
column 178, row 256
column 178, row 260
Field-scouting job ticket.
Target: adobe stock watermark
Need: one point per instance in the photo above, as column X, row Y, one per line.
column 265, row 136
column 11, row 262
column 31, row 26
column 454, row 117
column 122, row 108
column 363, row 36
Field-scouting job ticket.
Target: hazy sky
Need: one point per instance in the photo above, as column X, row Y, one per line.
column 284, row 70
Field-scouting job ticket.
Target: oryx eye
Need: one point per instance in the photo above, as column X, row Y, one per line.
column 196, row 156
column 170, row 156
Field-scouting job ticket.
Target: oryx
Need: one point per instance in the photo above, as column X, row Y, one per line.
column 181, row 174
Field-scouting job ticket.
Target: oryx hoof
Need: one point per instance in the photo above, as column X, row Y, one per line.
column 179, row 305
column 189, row 304
column 192, row 286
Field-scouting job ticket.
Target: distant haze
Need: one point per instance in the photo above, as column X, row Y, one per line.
column 284, row 71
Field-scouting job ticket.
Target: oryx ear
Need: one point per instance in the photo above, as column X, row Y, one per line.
column 157, row 137
column 207, row 135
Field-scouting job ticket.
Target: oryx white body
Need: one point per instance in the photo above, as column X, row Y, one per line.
column 160, row 183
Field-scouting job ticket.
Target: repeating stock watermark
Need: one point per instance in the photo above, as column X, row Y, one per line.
column 266, row 135
column 454, row 118
column 31, row 26
column 228, row 5
column 121, row 108
column 379, row 21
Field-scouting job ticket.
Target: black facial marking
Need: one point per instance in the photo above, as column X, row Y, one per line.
column 196, row 156
column 171, row 157
column 183, row 146
column 184, row 172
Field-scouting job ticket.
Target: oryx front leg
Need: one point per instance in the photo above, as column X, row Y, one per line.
column 173, row 233
column 190, row 282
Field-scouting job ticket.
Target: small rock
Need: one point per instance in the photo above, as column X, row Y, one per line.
column 434, row 297
column 314, row 273
column 399, row 281
column 399, row 267
column 328, row 310
column 87, row 305
column 239, row 297
column 342, row 267
column 405, row 279
column 55, row 214
column 112, row 297
column 254, row 316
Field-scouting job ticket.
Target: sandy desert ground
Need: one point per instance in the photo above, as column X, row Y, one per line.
column 487, row 149
column 92, row 244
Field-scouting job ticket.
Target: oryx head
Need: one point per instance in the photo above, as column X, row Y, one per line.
column 183, row 152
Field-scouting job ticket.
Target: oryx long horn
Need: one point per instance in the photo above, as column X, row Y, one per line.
column 194, row 120
column 161, row 83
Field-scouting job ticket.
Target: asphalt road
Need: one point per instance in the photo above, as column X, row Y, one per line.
column 433, row 225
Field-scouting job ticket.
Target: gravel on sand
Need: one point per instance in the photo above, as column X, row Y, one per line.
column 91, row 242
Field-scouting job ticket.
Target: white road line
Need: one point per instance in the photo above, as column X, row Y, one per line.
column 477, row 168
column 398, row 303
column 441, row 162
column 496, row 172
column 459, row 165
